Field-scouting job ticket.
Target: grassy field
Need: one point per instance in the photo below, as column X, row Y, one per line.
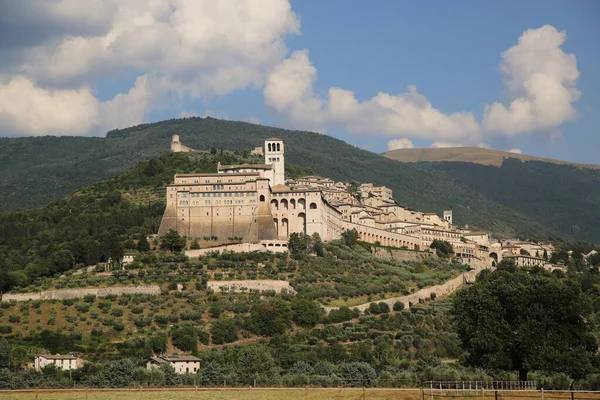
column 279, row 394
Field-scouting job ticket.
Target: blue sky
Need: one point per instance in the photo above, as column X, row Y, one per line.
column 450, row 51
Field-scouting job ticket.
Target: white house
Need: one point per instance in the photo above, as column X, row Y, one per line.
column 65, row 362
column 183, row 364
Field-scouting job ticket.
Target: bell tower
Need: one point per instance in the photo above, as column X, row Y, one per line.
column 274, row 155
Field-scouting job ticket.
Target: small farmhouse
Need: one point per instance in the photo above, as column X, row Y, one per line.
column 183, row 364
column 65, row 362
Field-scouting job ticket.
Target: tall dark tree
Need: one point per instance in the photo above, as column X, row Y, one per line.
column 442, row 248
column 523, row 321
column 299, row 245
column 350, row 237
column 173, row 241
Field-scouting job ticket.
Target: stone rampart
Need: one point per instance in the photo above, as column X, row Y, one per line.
column 401, row 255
column 261, row 285
column 60, row 294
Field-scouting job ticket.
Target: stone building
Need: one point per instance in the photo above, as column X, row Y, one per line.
column 256, row 202
column 64, row 362
column 183, row 364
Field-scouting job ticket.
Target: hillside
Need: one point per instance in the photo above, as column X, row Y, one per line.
column 564, row 197
column 475, row 155
column 34, row 171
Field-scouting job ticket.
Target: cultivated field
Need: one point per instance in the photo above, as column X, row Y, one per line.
column 286, row 394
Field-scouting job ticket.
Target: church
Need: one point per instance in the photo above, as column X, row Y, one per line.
column 256, row 203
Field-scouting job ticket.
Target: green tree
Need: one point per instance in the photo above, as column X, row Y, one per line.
column 350, row 237
column 185, row 338
column 173, row 241
column 358, row 374
column 317, row 245
column 195, row 245
column 299, row 245
column 442, row 248
column 224, row 331
column 270, row 318
column 119, row 373
column 256, row 363
column 306, row 313
column 523, row 321
column 5, row 353
column 142, row 244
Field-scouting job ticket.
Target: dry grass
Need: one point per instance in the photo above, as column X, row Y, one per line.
column 278, row 394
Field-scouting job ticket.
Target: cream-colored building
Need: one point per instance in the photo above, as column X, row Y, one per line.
column 256, row 202
column 64, row 362
column 183, row 364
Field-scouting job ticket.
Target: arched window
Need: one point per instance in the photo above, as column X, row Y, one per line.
column 262, row 198
column 278, row 147
column 313, row 206
column 269, row 145
column 275, row 204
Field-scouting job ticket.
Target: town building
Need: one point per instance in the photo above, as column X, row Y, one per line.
column 256, row 202
column 64, row 362
column 183, row 364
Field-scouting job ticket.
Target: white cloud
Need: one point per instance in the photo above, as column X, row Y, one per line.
column 402, row 143
column 27, row 109
column 188, row 114
column 253, row 120
column 541, row 79
column 289, row 91
column 443, row 145
column 516, row 151
column 181, row 48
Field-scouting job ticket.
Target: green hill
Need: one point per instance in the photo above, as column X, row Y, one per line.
column 34, row 171
column 565, row 198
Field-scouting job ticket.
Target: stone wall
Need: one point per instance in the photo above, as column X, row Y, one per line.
column 60, row 294
column 239, row 248
column 261, row 285
column 401, row 255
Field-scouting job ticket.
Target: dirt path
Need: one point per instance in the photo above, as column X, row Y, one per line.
column 440, row 291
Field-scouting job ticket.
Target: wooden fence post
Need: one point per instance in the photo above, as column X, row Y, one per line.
column 496, row 394
column 364, row 393
column 86, row 393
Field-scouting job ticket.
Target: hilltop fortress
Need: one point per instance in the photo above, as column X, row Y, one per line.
column 254, row 203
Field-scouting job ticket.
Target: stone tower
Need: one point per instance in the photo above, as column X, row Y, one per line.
column 448, row 216
column 274, row 155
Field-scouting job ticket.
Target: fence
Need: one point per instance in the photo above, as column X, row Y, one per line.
column 304, row 393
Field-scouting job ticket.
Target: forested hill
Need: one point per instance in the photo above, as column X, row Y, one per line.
column 564, row 197
column 34, row 171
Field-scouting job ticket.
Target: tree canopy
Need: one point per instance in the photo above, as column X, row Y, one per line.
column 526, row 322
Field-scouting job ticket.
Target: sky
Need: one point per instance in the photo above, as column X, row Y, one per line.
column 521, row 76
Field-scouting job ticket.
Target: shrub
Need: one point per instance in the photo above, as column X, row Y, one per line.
column 82, row 307
column 14, row 318
column 117, row 312
column 69, row 302
column 224, row 331
column 5, row 329
column 357, row 374
column 398, row 306
column 89, row 298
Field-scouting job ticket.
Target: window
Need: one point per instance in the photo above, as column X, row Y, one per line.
column 262, row 197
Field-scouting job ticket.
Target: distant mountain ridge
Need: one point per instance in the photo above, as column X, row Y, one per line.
column 475, row 155
column 36, row 170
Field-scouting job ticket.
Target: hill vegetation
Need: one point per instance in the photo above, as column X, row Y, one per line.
column 475, row 155
column 562, row 197
column 35, row 170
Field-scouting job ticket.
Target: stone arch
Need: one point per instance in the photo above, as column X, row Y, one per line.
column 262, row 198
column 269, row 146
column 313, row 206
column 278, row 147
column 284, row 204
column 275, row 203
column 285, row 227
column 493, row 259
column 301, row 204
column 293, row 204
column 302, row 221
column 276, row 221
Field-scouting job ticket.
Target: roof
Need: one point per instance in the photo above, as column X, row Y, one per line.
column 175, row 358
column 219, row 175
column 274, row 139
column 58, row 357
column 475, row 234
column 245, row 166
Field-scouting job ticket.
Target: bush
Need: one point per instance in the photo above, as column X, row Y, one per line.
column 89, row 298
column 14, row 318
column 82, row 307
column 398, row 306
column 5, row 329
column 224, row 331
column 306, row 313
column 117, row 312
column 357, row 374
column 69, row 302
